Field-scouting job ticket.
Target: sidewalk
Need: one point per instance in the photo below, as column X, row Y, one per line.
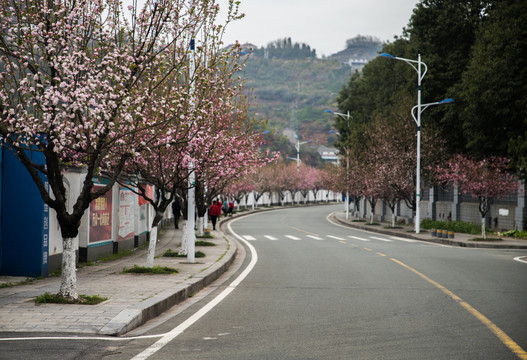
column 133, row 299
column 463, row 240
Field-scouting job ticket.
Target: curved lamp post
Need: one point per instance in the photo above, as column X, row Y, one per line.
column 421, row 69
column 348, row 118
column 297, row 146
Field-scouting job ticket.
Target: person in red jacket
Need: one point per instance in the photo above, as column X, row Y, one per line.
column 214, row 213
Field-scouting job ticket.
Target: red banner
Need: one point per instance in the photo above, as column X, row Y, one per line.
column 101, row 218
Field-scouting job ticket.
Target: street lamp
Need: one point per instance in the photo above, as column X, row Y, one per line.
column 297, row 146
column 421, row 69
column 348, row 118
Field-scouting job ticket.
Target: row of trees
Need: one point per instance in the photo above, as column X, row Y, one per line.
column 285, row 49
column 137, row 95
column 472, row 50
column 283, row 178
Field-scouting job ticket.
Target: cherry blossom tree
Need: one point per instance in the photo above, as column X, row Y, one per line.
column 240, row 189
column 197, row 104
column 283, row 180
column 234, row 152
column 392, row 156
column 76, row 85
column 485, row 180
column 331, row 179
column 308, row 180
column 318, row 183
column 263, row 181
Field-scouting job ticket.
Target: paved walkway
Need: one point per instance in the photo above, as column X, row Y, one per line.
column 132, row 299
column 464, row 240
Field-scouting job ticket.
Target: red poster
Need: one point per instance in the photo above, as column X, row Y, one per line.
column 101, row 218
column 149, row 190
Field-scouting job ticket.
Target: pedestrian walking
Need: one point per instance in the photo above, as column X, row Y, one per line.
column 214, row 213
column 176, row 210
column 225, row 207
column 231, row 208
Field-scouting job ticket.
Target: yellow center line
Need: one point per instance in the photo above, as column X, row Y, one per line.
column 295, row 228
column 367, row 249
column 304, row 231
column 379, row 253
column 504, row 338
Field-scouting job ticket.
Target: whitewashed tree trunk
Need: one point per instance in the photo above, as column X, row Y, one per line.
column 393, row 219
column 68, row 283
column 483, row 234
column 152, row 248
column 184, row 240
column 200, row 226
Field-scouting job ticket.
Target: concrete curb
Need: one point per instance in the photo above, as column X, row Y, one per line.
column 138, row 314
column 472, row 244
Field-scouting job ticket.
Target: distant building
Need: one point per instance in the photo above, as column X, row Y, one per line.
column 357, row 64
column 328, row 154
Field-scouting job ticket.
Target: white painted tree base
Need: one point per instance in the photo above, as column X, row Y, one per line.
column 68, row 283
column 152, row 248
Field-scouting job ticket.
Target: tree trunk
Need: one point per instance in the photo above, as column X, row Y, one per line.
column 68, row 283
column 153, row 239
column 393, row 218
column 483, row 209
column 184, row 240
column 200, row 226
column 152, row 248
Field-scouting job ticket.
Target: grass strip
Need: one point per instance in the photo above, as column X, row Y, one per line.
column 156, row 270
column 171, row 253
column 48, row 298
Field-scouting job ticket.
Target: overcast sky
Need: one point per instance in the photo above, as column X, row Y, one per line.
column 325, row 25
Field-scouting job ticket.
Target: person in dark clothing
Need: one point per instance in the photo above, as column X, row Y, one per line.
column 231, row 208
column 214, row 213
column 176, row 210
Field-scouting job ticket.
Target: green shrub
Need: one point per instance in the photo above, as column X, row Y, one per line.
column 515, row 233
column 455, row 226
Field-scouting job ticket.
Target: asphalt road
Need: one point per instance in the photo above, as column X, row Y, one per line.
column 314, row 290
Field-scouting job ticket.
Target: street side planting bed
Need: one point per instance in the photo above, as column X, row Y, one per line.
column 156, row 270
column 48, row 298
column 171, row 253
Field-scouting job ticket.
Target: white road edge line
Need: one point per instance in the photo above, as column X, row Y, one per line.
column 371, row 232
column 171, row 335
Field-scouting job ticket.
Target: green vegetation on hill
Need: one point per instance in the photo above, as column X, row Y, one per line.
column 291, row 88
column 295, row 93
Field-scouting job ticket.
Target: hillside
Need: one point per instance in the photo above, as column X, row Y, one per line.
column 293, row 94
column 292, row 88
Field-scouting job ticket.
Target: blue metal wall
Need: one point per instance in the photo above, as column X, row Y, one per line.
column 24, row 238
